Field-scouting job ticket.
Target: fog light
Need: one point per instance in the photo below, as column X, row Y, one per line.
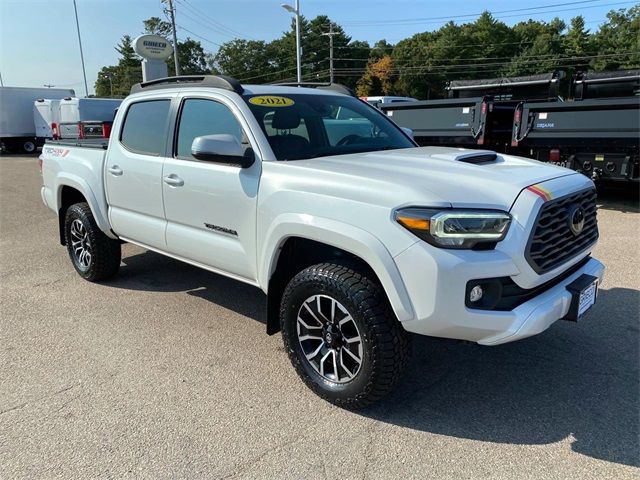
column 475, row 294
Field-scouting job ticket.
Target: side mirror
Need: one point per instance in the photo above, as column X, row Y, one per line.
column 407, row 131
column 222, row 148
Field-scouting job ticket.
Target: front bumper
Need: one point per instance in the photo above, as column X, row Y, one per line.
column 437, row 291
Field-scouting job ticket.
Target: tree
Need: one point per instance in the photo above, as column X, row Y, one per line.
column 117, row 80
column 542, row 48
column 378, row 79
column 250, row 61
column 618, row 40
column 157, row 26
column 577, row 43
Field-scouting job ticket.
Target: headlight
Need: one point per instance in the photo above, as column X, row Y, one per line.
column 453, row 228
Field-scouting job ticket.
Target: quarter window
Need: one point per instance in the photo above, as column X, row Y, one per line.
column 204, row 117
column 144, row 129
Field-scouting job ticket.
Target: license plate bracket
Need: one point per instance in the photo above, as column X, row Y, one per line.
column 584, row 293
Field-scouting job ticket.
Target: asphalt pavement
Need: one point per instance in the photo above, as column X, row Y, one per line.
column 166, row 372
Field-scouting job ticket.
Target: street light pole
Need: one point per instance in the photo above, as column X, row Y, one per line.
column 84, row 73
column 296, row 12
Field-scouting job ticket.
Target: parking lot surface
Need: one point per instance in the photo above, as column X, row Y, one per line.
column 166, row 372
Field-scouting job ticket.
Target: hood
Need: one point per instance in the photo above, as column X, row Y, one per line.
column 436, row 176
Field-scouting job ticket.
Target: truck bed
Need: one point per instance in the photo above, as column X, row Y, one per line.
column 449, row 122
column 100, row 143
column 609, row 122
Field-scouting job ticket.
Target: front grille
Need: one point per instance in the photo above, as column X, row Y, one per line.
column 552, row 241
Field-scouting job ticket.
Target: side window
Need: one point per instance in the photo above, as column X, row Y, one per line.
column 144, row 127
column 204, row 117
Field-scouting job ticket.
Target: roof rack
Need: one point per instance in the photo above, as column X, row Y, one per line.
column 216, row 81
column 337, row 87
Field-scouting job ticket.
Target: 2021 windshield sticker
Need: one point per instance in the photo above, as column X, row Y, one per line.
column 271, row 101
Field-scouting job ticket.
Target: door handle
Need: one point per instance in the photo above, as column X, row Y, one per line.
column 115, row 170
column 173, row 180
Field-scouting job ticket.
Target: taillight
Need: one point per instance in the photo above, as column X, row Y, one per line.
column 40, row 163
column 54, row 131
column 554, row 155
column 106, row 130
column 517, row 117
column 484, row 108
column 80, row 131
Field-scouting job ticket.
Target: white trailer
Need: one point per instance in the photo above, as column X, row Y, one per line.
column 46, row 117
column 76, row 110
column 17, row 126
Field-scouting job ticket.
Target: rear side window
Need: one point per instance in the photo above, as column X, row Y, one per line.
column 145, row 125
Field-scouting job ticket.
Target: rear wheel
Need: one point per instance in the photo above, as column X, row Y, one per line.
column 29, row 146
column 94, row 255
column 341, row 335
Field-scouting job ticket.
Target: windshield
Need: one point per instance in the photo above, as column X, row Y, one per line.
column 309, row 126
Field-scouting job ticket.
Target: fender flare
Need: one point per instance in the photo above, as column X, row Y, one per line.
column 78, row 183
column 340, row 235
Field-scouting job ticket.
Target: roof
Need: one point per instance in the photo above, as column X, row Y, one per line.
column 280, row 90
column 233, row 85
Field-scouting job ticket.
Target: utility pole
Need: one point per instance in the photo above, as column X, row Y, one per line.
column 84, row 73
column 175, row 38
column 330, row 34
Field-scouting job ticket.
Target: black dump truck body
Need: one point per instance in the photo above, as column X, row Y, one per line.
column 597, row 137
column 477, row 112
column 451, row 122
column 597, row 133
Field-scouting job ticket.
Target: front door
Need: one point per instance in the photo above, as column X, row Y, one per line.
column 210, row 208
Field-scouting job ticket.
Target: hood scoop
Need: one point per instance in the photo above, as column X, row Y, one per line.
column 475, row 157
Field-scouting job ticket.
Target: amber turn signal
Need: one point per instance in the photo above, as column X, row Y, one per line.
column 413, row 223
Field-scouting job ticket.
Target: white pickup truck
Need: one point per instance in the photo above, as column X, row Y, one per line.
column 357, row 237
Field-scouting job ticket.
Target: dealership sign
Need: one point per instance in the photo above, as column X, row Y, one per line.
column 152, row 47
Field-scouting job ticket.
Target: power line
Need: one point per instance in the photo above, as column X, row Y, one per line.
column 439, row 70
column 220, row 26
column 409, row 21
column 199, row 36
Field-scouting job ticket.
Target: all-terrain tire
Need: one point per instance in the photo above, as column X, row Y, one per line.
column 385, row 343
column 105, row 253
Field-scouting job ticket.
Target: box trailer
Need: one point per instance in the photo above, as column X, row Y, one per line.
column 74, row 111
column 46, row 117
column 17, row 126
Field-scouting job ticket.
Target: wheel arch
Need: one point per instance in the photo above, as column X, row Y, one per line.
column 73, row 190
column 292, row 245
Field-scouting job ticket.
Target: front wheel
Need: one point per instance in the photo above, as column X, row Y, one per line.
column 94, row 255
column 341, row 335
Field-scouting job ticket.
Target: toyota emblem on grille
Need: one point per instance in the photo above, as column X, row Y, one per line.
column 576, row 219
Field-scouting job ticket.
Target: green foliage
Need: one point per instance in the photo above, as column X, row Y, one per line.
column 419, row 66
column 116, row 80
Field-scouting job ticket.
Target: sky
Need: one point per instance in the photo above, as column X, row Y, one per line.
column 39, row 43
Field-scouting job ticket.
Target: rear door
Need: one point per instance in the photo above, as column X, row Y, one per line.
column 211, row 207
column 134, row 172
